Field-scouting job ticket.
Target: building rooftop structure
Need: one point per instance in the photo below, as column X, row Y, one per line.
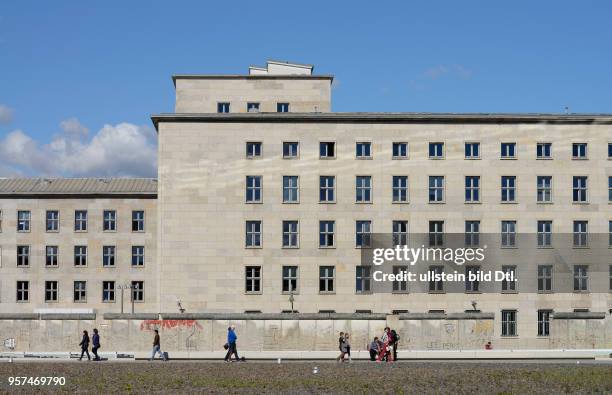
column 78, row 186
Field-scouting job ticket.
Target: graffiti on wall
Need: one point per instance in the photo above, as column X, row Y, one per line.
column 149, row 325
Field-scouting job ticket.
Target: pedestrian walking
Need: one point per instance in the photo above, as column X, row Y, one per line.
column 231, row 344
column 95, row 340
column 85, row 346
column 341, row 347
column 157, row 346
column 348, row 346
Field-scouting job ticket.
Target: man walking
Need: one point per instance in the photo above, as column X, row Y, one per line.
column 231, row 343
column 95, row 339
column 157, row 346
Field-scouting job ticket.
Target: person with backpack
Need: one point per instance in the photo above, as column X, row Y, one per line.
column 85, row 346
column 95, row 339
column 231, row 344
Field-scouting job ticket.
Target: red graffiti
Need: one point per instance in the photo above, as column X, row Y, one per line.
column 149, row 325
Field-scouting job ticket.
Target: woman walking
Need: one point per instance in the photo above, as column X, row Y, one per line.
column 85, row 346
column 348, row 346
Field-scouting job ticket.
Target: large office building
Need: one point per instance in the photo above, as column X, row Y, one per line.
column 266, row 199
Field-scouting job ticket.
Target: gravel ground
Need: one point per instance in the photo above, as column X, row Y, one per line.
column 298, row 377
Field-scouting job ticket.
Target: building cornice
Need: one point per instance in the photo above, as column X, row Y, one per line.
column 250, row 77
column 390, row 118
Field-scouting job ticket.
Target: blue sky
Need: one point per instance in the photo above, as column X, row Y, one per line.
column 91, row 64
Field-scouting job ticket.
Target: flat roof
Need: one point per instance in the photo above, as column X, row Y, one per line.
column 385, row 117
column 78, row 187
column 250, row 77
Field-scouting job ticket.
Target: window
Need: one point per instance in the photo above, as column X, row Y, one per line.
column 581, row 278
column 290, row 234
column 80, row 256
column 327, row 149
column 23, row 291
column 291, row 150
column 363, row 233
column 326, row 234
column 579, row 151
column 544, row 233
column 400, row 286
column 137, row 291
column 108, row 256
column 253, row 279
column 80, row 291
column 581, row 232
column 138, row 257
column 0, row 220
column 472, row 233
column 252, row 107
column 544, row 151
column 508, row 150
column 472, row 189
column 253, row 234
column 609, row 150
column 363, row 150
column 508, row 323
column 223, row 107
column 253, row 189
column 363, row 189
column 23, row 221
column 545, row 278
column 436, row 189
column 363, row 279
column 52, row 221
column 108, row 291
column 51, row 255
column 544, row 322
column 109, row 221
column 327, row 189
column 610, row 189
column 508, row 233
column 400, row 189
column 436, row 233
column 282, row 107
column 400, row 233
column 544, row 189
column 579, row 189
column 326, row 279
column 400, row 150
column 51, row 291
column 436, row 284
column 471, row 285
column 80, row 221
column 23, row 256
column 138, row 221
column 472, row 150
column 436, row 150
column 509, row 282
column 291, row 189
column 253, row 149
column 610, row 233
column 508, row 189
column 290, row 279
column 610, row 272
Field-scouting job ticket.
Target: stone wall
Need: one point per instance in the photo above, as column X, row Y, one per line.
column 281, row 332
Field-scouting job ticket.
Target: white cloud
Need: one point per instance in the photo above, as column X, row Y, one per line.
column 122, row 150
column 6, row 114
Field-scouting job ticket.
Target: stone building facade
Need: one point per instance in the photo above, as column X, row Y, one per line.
column 265, row 196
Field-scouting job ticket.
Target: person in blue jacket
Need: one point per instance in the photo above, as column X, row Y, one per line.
column 95, row 339
column 231, row 344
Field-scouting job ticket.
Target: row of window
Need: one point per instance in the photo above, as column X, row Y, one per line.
column 436, row 236
column 364, row 280
column 436, row 189
column 51, row 291
column 81, row 218
column 400, row 150
column 224, row 107
column 109, row 256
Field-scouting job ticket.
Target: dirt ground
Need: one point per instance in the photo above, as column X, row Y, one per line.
column 298, row 377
